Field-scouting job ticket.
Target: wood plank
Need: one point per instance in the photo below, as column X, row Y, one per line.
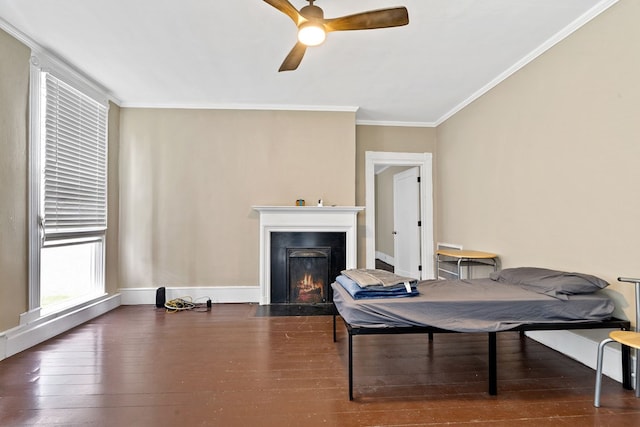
column 139, row 365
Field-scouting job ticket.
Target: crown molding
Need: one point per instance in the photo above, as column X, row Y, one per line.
column 231, row 106
column 396, row 124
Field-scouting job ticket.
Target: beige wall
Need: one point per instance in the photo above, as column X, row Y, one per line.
column 543, row 169
column 390, row 139
column 14, row 97
column 189, row 178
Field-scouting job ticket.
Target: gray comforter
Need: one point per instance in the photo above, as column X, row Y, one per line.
column 478, row 305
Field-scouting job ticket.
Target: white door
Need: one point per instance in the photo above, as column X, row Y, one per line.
column 406, row 217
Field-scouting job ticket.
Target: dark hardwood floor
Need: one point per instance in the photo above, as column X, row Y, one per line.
column 381, row 265
column 142, row 366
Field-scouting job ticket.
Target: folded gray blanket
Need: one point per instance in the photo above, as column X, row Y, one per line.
column 365, row 277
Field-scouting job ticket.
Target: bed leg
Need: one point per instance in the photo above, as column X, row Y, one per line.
column 334, row 328
column 493, row 364
column 430, row 336
column 626, row 367
column 350, row 366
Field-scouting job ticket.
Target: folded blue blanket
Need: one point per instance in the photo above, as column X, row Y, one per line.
column 357, row 292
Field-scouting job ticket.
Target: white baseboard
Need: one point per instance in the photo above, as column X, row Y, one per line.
column 385, row 258
column 583, row 347
column 34, row 330
column 38, row 330
column 222, row 294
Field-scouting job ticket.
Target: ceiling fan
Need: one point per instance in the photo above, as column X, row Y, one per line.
column 313, row 28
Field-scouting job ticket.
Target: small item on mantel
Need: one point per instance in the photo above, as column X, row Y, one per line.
column 300, row 202
column 320, row 203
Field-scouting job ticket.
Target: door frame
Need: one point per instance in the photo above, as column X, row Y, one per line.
column 424, row 161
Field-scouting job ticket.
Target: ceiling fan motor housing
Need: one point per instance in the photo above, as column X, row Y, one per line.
column 312, row 12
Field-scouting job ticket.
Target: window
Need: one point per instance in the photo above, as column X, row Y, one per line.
column 69, row 192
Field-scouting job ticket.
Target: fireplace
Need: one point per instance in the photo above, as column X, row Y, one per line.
column 303, row 265
column 307, row 221
column 308, row 275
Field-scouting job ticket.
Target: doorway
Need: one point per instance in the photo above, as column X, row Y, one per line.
column 423, row 161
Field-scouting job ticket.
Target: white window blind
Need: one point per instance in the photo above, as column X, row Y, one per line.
column 75, row 153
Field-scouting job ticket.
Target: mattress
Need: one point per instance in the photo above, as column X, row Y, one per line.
column 476, row 305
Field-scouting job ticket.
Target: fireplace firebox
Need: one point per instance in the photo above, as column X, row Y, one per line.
column 303, row 265
column 308, row 275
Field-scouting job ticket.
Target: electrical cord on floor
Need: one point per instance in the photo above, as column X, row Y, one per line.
column 186, row 303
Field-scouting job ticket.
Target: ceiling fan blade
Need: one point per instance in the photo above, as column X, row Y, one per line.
column 382, row 18
column 294, row 58
column 287, row 8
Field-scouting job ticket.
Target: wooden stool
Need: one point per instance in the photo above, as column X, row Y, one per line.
column 628, row 338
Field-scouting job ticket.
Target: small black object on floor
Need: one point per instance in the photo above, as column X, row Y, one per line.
column 274, row 310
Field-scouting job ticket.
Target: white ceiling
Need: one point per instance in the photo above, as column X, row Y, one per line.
column 225, row 54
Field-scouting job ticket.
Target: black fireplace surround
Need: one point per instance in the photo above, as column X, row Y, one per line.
column 284, row 244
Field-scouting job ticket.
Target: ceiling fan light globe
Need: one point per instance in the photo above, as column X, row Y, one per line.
column 311, row 34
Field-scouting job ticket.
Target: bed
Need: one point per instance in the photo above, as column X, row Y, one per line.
column 520, row 299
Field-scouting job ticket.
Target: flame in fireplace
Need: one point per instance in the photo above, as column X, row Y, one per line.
column 309, row 289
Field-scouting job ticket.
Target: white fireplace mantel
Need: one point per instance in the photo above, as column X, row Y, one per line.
column 303, row 219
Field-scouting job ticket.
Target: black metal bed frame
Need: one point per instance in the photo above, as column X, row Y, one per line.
column 612, row 323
